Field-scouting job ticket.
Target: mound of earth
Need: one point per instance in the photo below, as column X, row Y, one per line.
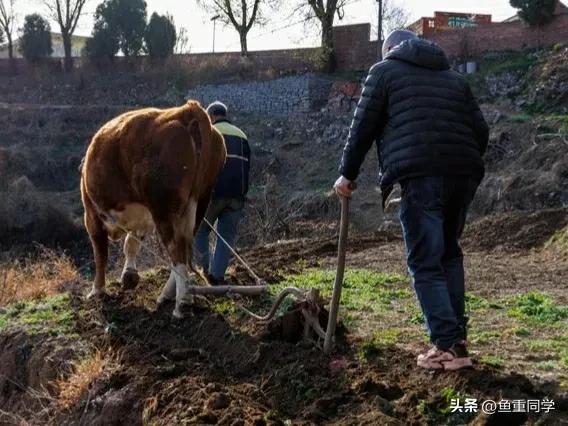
column 515, row 230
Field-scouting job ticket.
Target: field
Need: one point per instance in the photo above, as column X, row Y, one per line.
column 119, row 360
column 127, row 362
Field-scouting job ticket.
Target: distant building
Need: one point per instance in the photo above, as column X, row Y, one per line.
column 77, row 45
column 442, row 21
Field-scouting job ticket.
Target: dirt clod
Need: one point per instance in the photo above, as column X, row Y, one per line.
column 218, row 401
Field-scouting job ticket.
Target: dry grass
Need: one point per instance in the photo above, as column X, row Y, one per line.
column 72, row 388
column 32, row 280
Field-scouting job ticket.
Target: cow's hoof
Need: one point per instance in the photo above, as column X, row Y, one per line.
column 129, row 279
column 96, row 293
column 178, row 314
column 162, row 301
column 182, row 311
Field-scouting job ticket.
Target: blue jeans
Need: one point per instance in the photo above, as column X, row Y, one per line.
column 226, row 212
column 433, row 212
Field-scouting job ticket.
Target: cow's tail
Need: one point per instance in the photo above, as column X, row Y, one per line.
column 199, row 127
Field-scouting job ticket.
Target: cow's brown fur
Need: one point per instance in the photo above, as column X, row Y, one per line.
column 155, row 161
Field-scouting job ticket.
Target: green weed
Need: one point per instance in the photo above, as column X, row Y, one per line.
column 484, row 337
column 564, row 359
column 447, row 395
column 474, row 302
column 52, row 315
column 379, row 340
column 519, row 118
column 537, row 308
column 363, row 290
column 492, row 361
column 522, row 332
column 547, row 365
column 223, row 307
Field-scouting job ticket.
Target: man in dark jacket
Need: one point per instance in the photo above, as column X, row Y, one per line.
column 431, row 136
column 228, row 198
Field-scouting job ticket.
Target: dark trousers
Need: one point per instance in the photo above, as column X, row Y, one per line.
column 433, row 212
column 227, row 212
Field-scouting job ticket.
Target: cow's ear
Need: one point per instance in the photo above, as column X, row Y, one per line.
column 193, row 129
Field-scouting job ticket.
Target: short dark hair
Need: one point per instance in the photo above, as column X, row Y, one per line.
column 217, row 108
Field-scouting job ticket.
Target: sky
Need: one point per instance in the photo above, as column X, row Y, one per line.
column 188, row 14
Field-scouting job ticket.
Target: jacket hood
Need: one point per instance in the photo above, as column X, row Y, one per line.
column 420, row 52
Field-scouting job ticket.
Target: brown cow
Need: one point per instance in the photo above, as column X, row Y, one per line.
column 147, row 169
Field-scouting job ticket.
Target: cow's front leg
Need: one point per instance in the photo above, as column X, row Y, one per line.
column 130, row 277
column 99, row 239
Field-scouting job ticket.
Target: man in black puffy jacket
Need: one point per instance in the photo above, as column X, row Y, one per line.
column 228, row 198
column 431, row 136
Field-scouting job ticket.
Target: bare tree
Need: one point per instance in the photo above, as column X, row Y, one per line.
column 394, row 17
column 241, row 14
column 325, row 11
column 7, row 19
column 182, row 41
column 66, row 13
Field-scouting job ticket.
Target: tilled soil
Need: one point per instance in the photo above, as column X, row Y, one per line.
column 213, row 368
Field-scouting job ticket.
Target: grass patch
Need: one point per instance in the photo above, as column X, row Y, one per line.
column 519, row 118
column 537, row 308
column 522, row 332
column 492, row 361
column 484, row 337
column 475, row 303
column 53, row 315
column 439, row 409
column 417, row 318
column 556, row 344
column 363, row 290
column 223, row 307
column 547, row 365
column 379, row 340
column 564, row 359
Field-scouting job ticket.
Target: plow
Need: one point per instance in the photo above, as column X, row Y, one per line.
column 309, row 301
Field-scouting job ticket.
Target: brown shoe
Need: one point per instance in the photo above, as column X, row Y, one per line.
column 454, row 358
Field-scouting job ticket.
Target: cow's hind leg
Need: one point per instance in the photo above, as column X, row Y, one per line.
column 130, row 277
column 177, row 236
column 169, row 291
column 99, row 240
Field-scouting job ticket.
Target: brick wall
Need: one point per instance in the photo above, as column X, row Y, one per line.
column 354, row 50
column 502, row 36
column 353, row 47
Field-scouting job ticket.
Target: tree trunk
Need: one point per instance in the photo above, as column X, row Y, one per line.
column 10, row 46
column 244, row 46
column 68, row 62
column 11, row 62
column 328, row 44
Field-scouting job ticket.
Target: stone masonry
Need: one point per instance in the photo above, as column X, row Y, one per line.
column 283, row 96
